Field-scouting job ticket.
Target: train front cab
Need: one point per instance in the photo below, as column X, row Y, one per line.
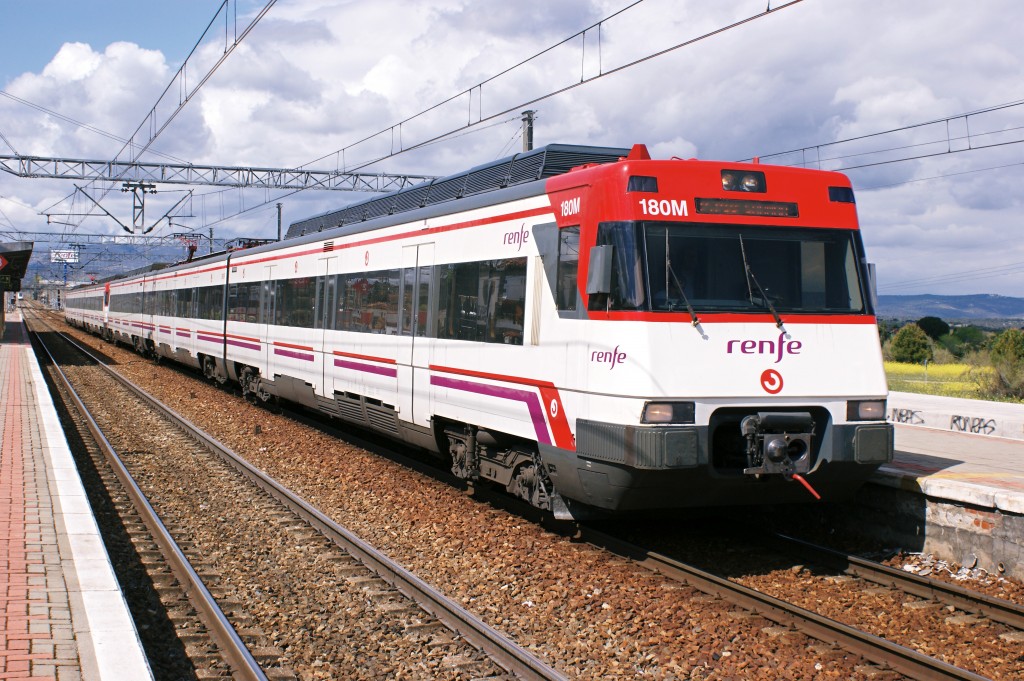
column 687, row 271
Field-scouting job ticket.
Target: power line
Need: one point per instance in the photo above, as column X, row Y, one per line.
column 939, row 177
column 965, row 275
column 185, row 92
column 584, row 80
column 949, row 140
column 468, row 93
column 84, row 126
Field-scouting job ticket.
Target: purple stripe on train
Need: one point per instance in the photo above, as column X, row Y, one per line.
column 529, row 398
column 243, row 344
column 366, row 368
column 294, row 355
column 210, row 339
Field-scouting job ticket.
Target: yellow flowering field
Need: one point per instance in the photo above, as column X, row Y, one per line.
column 947, row 380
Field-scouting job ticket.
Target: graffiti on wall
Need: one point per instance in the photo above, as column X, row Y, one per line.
column 908, row 416
column 972, row 424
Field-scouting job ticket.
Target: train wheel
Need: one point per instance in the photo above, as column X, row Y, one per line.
column 252, row 387
column 462, row 451
column 531, row 483
column 210, row 370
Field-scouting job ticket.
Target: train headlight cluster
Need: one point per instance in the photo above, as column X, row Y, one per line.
column 744, row 181
column 668, row 412
column 867, row 410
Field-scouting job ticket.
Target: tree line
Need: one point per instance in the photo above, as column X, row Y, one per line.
column 932, row 340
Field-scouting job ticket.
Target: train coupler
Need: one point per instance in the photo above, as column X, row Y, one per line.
column 778, row 443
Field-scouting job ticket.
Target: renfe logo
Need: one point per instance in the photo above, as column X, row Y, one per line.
column 609, row 357
column 779, row 348
column 520, row 237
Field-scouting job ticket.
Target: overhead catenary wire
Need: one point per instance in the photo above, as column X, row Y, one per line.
column 552, row 93
column 186, row 94
column 525, row 104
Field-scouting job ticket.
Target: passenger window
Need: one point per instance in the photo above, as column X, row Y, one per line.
column 483, row 301
column 368, row 302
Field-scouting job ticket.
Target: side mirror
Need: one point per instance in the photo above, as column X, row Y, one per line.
column 599, row 271
column 872, row 285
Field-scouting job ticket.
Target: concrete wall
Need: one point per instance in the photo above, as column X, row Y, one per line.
column 976, row 417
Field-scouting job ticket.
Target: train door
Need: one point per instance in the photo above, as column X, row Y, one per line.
column 415, row 317
column 266, row 319
column 106, row 310
column 326, row 284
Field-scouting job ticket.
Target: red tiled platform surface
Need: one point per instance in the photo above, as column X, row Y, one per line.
column 37, row 639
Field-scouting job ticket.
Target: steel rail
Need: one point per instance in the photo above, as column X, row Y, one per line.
column 873, row 648
column 230, row 645
column 503, row 651
column 995, row 609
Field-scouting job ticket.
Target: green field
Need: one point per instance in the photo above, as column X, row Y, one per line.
column 947, row 380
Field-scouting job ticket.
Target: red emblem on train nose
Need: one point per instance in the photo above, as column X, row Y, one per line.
column 771, row 381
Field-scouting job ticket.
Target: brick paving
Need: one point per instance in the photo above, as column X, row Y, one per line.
column 38, row 639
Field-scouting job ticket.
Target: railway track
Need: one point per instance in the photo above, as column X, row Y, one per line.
column 881, row 651
column 594, row 612
column 183, row 631
column 453, row 637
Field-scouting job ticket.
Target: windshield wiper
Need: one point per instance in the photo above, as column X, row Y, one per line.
column 752, row 278
column 693, row 315
column 670, row 271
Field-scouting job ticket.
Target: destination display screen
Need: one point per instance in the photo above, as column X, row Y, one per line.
column 768, row 209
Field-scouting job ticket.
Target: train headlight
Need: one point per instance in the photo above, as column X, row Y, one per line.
column 744, row 181
column 867, row 410
column 668, row 412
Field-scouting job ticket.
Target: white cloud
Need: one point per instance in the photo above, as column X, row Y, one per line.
column 314, row 77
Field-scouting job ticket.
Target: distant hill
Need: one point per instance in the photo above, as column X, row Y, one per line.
column 951, row 307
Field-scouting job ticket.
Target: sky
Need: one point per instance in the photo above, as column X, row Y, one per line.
column 841, row 84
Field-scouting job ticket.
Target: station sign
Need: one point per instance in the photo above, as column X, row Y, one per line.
column 64, row 256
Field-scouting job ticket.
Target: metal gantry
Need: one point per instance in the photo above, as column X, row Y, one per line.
column 219, row 176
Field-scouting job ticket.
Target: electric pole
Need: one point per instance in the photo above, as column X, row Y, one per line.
column 528, row 130
column 139, row 191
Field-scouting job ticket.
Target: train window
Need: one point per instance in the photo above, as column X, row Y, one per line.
column 325, row 302
column 627, row 268
column 415, row 299
column 798, row 269
column 161, row 306
column 267, row 304
column 423, row 299
column 296, row 301
column 184, row 302
column 210, row 302
column 368, row 302
column 483, row 301
column 233, row 303
column 244, row 302
column 568, row 267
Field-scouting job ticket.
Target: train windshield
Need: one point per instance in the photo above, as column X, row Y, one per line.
column 664, row 267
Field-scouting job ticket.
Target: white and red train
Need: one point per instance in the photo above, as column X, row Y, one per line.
column 582, row 325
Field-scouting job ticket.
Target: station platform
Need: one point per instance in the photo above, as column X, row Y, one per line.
column 62, row 613
column 958, row 496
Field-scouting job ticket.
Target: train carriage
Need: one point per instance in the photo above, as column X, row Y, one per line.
column 582, row 325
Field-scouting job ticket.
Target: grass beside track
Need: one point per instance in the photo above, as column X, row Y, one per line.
column 945, row 380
